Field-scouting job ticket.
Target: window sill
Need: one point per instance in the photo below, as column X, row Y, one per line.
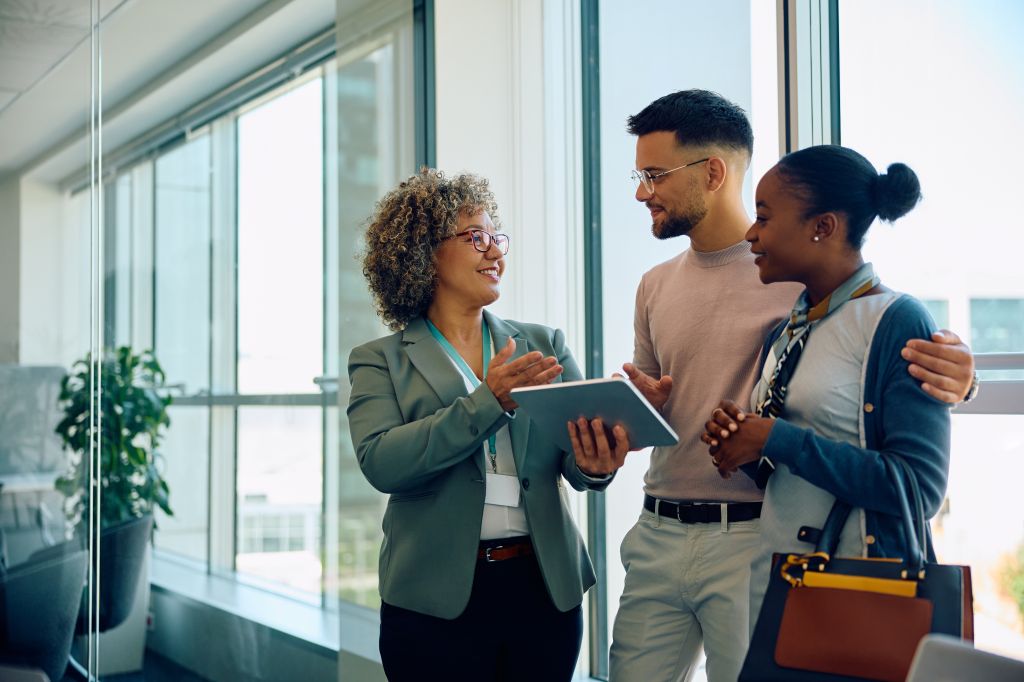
column 352, row 629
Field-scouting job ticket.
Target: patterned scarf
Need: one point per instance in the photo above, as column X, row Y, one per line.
column 786, row 351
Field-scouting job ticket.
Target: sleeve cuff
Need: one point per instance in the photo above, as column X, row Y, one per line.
column 593, row 479
column 784, row 441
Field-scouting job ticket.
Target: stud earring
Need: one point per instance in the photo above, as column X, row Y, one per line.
column 815, row 238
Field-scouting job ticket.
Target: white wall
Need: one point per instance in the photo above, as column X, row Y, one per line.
column 10, row 232
column 507, row 109
column 44, row 274
column 54, row 282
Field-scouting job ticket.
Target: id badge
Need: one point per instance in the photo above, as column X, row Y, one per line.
column 502, row 490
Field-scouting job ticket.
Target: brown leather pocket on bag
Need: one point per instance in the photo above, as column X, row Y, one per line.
column 848, row 632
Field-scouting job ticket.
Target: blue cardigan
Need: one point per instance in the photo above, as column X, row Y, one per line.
column 899, row 418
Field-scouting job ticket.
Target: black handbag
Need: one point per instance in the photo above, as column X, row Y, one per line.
column 854, row 619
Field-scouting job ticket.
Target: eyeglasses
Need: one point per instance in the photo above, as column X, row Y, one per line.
column 482, row 240
column 647, row 178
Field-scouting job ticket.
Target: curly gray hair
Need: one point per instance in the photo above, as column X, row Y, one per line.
column 407, row 226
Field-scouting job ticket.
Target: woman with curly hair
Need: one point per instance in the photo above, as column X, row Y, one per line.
column 482, row 569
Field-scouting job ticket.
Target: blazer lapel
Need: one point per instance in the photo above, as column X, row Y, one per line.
column 518, row 428
column 432, row 362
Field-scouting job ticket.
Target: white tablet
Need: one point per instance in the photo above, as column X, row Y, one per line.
column 615, row 400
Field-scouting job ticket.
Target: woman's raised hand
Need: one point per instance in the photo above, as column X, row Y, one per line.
column 532, row 369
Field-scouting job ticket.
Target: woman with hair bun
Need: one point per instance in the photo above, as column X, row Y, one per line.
column 834, row 392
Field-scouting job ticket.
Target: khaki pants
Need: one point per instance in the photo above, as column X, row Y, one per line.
column 686, row 584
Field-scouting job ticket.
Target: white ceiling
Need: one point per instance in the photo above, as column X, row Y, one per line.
column 158, row 58
column 36, row 35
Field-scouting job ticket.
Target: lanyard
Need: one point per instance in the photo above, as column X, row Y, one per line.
column 492, row 445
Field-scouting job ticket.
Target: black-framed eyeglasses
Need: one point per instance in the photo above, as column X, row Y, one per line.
column 647, row 178
column 482, row 240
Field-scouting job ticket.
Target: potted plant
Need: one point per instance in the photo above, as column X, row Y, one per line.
column 133, row 418
column 133, row 415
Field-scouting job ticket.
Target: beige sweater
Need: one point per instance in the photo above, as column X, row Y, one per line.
column 702, row 319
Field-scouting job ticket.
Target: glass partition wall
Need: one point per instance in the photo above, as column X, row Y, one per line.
column 58, row 513
column 233, row 248
column 202, row 273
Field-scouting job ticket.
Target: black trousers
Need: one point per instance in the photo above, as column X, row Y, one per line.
column 510, row 631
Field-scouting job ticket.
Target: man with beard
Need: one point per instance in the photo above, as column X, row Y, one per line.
column 701, row 318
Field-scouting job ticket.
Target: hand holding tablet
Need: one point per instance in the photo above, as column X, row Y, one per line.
column 614, row 400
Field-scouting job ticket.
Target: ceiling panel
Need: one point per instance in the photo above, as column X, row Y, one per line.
column 37, row 35
column 48, row 12
column 149, row 72
column 19, row 74
column 37, row 42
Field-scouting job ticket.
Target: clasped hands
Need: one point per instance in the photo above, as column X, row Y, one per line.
column 734, row 437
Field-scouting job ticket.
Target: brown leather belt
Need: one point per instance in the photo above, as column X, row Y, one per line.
column 500, row 550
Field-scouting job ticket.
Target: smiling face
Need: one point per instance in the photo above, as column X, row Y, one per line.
column 677, row 203
column 465, row 276
column 782, row 235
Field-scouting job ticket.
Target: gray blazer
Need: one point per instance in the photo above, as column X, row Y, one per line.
column 418, row 436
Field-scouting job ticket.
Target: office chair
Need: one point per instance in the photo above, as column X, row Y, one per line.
column 39, row 602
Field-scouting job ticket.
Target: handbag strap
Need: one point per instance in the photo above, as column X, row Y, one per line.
column 915, row 496
column 829, row 538
column 924, row 535
column 914, row 525
column 911, row 521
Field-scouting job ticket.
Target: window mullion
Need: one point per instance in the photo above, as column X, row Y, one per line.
column 223, row 342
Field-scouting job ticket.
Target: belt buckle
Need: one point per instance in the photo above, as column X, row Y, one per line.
column 679, row 512
column 487, row 554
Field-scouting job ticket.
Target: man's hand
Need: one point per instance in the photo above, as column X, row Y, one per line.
column 655, row 390
column 945, row 365
column 595, row 454
column 533, row 369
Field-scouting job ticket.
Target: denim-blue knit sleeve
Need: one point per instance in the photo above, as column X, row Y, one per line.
column 902, row 419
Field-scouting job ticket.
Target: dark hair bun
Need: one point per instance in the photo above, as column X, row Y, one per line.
column 897, row 191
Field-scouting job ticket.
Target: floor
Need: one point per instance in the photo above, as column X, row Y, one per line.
column 156, row 668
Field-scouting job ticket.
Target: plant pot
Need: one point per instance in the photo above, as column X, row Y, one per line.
column 123, row 547
column 124, row 598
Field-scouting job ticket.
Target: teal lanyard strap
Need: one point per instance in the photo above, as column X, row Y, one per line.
column 492, row 442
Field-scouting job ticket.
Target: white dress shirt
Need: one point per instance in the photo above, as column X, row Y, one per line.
column 499, row 521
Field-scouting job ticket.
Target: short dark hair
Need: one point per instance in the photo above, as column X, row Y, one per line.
column 833, row 178
column 697, row 117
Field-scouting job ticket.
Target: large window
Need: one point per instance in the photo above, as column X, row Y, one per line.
column 935, row 85
column 181, row 190
column 280, row 453
column 940, row 87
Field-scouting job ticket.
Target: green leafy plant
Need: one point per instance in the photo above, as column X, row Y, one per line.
column 133, row 416
column 1013, row 578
